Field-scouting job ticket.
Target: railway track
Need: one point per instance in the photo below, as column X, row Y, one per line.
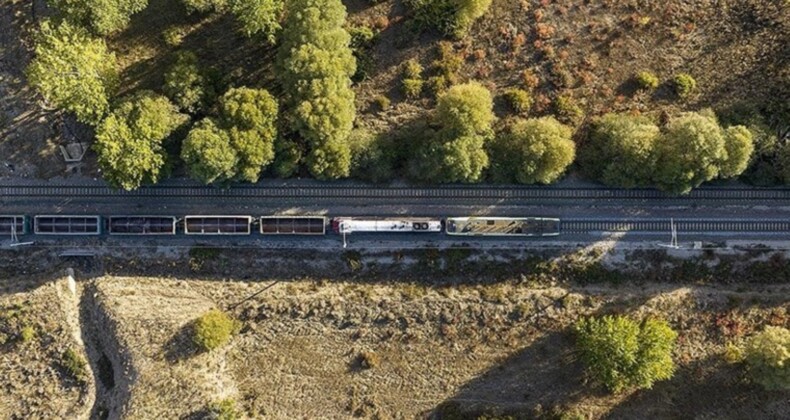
column 778, row 226
column 338, row 192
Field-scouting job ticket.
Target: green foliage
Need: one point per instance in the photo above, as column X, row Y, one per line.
column 372, row 157
column 259, row 17
column 173, row 36
column 647, row 80
column 213, row 329
column 411, row 81
column 684, row 85
column 362, row 40
column 619, row 151
column 287, row 157
column 623, row 354
column 768, row 358
column 381, row 102
column 104, row 17
column 202, row 6
column 208, row 153
column 456, row 153
column 447, row 64
column 518, row 99
column 225, row 410
column 74, row 364
column 316, row 65
column 250, row 116
column 450, row 17
column 689, row 153
column 739, row 146
column 73, row 71
column 129, row 141
column 185, row 84
column 568, row 110
column 532, row 151
column 27, row 334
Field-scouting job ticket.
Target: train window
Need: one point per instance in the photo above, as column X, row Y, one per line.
column 490, row 222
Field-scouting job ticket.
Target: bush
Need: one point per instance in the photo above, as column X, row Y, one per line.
column 624, row 354
column 213, row 329
column 532, row 151
column 684, row 85
column 568, row 110
column 647, row 80
column 224, row 410
column 103, row 17
column 447, row 63
column 368, row 360
column 382, row 103
column 768, row 357
column 412, row 82
column 450, row 17
column 518, row 99
column 74, row 364
column 27, row 334
column 173, row 36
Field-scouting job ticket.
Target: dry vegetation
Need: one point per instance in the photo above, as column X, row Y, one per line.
column 424, row 338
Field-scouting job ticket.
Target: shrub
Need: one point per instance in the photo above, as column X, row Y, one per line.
column 224, row 410
column 684, row 85
column 568, row 110
column 768, row 357
column 213, row 329
column 103, row 17
column 382, row 103
column 530, row 79
column 362, row 39
column 368, row 360
column 733, row 353
column 624, row 354
column 27, row 334
column 450, row 17
column 739, row 144
column 532, row 151
column 203, row 6
column 173, row 36
column 448, row 62
column 438, row 84
column 74, row 364
column 412, row 82
column 518, row 99
column 647, row 80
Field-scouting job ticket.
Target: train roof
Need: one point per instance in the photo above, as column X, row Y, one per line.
column 503, row 225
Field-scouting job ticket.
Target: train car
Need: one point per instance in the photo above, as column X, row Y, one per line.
column 292, row 225
column 345, row 225
column 13, row 225
column 217, row 225
column 502, row 226
column 66, row 225
column 141, row 225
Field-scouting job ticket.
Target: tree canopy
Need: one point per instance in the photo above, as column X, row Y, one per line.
column 129, row 141
column 186, row 84
column 208, row 153
column 259, row 16
column 74, row 71
column 739, row 145
column 619, row 151
column 768, row 357
column 532, row 151
column 250, row 115
column 450, row 17
column 103, row 16
column 317, row 65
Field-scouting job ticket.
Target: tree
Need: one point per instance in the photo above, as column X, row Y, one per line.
column 739, row 145
column 689, row 153
column 450, row 17
column 768, row 358
column 619, row 151
column 203, row 6
column 317, row 65
column 623, row 354
column 73, row 71
column 250, row 115
column 185, row 84
column 456, row 153
column 208, row 153
column 129, row 141
column 532, row 151
column 103, row 16
column 259, row 17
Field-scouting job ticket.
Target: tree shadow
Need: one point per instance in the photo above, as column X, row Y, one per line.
column 181, row 346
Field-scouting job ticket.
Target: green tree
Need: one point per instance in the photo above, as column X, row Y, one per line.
column 768, row 357
column 689, row 152
column 103, row 16
column 202, row 6
column 450, row 17
column 619, row 150
column 623, row 354
column 73, row 71
column 250, row 115
column 317, row 65
column 129, row 141
column 532, row 151
column 185, row 84
column 209, row 154
column 456, row 153
column 259, row 17
column 739, row 145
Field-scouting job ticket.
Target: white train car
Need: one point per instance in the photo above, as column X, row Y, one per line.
column 346, row 225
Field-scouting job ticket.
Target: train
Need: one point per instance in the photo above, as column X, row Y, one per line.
column 204, row 225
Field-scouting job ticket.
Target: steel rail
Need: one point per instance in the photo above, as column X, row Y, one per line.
column 393, row 193
column 778, row 226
